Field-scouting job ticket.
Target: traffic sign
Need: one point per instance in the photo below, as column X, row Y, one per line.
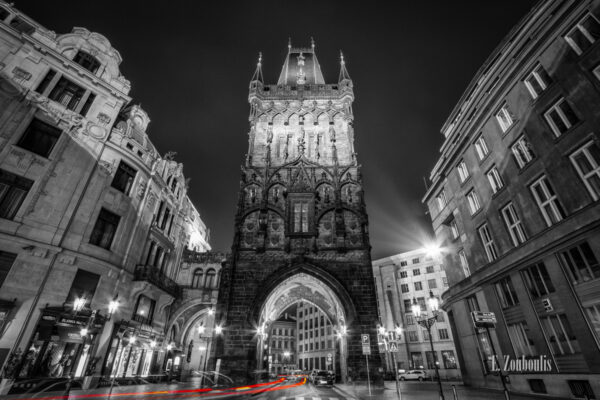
column 365, row 338
column 483, row 319
column 366, row 344
column 393, row 347
column 329, row 358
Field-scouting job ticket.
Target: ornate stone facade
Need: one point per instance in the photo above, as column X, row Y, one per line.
column 301, row 212
column 90, row 212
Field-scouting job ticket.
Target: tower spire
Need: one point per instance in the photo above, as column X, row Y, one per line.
column 258, row 75
column 344, row 75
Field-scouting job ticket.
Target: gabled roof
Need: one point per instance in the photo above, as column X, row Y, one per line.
column 301, row 67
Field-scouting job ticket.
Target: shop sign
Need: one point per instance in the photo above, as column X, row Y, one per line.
column 523, row 365
column 48, row 317
column 483, row 319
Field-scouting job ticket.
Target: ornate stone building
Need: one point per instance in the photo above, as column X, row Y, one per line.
column 93, row 220
column 301, row 228
column 514, row 203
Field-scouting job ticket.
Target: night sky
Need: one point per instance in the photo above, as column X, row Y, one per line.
column 190, row 62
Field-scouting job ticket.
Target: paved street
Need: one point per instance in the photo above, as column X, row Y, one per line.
column 283, row 390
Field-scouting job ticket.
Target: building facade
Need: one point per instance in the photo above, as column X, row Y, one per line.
column 400, row 280
column 514, row 202
column 282, row 355
column 316, row 340
column 301, row 228
column 93, row 220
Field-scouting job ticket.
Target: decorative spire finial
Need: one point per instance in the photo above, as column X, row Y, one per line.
column 343, row 71
column 258, row 75
column 289, row 43
column 312, row 42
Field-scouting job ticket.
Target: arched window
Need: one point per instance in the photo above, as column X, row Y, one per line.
column 210, row 278
column 87, row 61
column 197, row 278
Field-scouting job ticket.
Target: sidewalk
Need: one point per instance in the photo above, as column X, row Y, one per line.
column 423, row 391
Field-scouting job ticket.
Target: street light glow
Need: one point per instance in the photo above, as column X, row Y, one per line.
column 201, row 329
column 416, row 308
column 79, row 303
column 211, row 311
column 218, row 329
column 112, row 306
column 434, row 304
column 83, row 332
column 381, row 330
column 132, row 339
column 433, row 250
column 153, row 344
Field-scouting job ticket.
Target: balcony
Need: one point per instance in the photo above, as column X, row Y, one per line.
column 152, row 275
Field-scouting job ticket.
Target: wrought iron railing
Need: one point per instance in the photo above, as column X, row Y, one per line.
column 153, row 275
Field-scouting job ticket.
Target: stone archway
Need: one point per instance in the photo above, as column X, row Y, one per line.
column 303, row 287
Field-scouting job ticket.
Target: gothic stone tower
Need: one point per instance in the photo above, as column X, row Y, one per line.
column 301, row 228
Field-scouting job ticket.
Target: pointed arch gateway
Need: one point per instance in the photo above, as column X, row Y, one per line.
column 310, row 284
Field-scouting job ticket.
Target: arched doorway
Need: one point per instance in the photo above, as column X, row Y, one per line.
column 326, row 347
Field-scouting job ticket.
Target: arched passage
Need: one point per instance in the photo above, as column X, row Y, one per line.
column 305, row 285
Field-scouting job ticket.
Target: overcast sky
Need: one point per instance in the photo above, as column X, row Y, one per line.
column 190, row 62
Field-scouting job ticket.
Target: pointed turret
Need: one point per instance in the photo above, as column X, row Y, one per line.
column 344, row 75
column 258, row 75
column 301, row 67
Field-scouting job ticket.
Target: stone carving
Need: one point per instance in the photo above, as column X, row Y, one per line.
column 103, row 118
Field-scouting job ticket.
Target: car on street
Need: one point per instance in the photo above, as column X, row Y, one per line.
column 323, row 378
column 413, row 374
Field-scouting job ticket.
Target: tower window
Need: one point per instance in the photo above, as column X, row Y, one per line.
column 300, row 210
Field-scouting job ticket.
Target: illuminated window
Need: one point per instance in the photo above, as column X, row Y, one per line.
column 473, row 201
column 537, row 81
column 522, row 152
column 504, row 118
column 463, row 172
column 495, row 180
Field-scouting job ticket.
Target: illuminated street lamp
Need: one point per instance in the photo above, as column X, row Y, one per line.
column 218, row 329
column 83, row 332
column 427, row 323
column 79, row 303
column 113, row 306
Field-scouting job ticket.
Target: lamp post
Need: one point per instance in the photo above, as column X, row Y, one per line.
column 427, row 323
column 384, row 334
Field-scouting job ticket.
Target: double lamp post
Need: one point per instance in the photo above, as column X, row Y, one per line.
column 427, row 322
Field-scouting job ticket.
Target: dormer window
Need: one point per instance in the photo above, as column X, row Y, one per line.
column 87, row 61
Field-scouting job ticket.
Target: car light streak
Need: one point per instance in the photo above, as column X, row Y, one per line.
column 249, row 389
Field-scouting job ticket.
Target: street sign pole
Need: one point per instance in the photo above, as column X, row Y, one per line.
column 368, row 375
column 366, row 348
column 396, row 374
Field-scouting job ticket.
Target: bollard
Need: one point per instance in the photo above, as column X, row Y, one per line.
column 454, row 392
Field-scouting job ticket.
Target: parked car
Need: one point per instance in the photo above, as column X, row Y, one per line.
column 413, row 374
column 323, row 378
